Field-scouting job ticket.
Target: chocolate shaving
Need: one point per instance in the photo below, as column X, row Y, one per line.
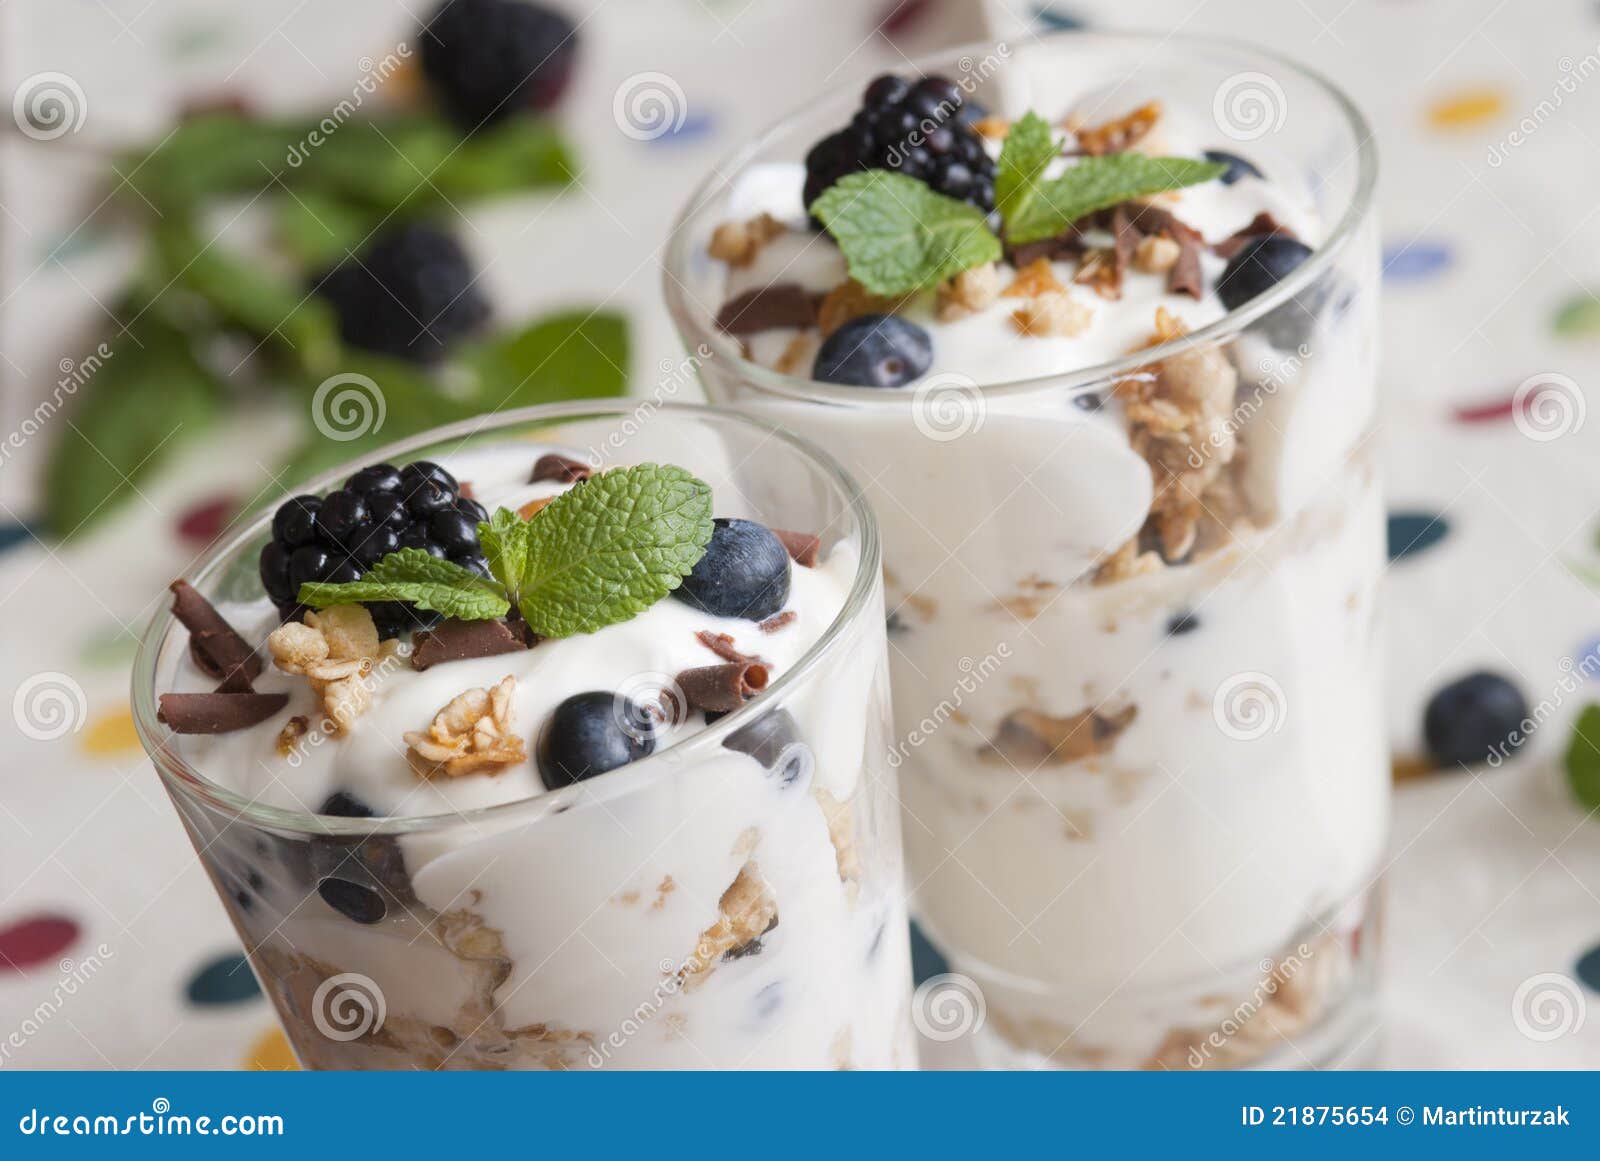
column 778, row 621
column 802, row 547
column 457, row 640
column 217, row 713
column 721, row 688
column 1186, row 275
column 722, row 645
column 765, row 308
column 563, row 469
column 1067, row 244
column 215, row 645
column 1261, row 226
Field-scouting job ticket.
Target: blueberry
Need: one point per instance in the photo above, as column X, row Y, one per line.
column 343, row 514
column 1237, row 166
column 875, row 350
column 584, row 736
column 340, row 804
column 773, row 739
column 274, row 569
column 375, row 478
column 744, row 573
column 352, row 900
column 454, row 531
column 295, row 521
column 1470, row 719
column 1259, row 267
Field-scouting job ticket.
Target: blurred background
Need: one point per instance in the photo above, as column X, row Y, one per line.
column 175, row 176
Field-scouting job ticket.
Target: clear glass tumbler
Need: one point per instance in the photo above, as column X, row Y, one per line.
column 1146, row 790
column 590, row 927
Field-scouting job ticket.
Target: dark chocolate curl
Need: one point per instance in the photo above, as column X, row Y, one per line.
column 720, row 688
column 1260, row 226
column 563, row 469
column 461, row 641
column 801, row 546
column 215, row 645
column 217, row 713
column 765, row 308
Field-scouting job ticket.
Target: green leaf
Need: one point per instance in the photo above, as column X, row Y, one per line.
column 519, row 153
column 209, row 156
column 1029, row 149
column 1578, row 317
column 606, row 551
column 504, row 539
column 1583, row 758
column 571, row 355
column 424, row 580
column 1097, row 183
column 320, row 231
column 247, row 294
column 135, row 407
column 898, row 235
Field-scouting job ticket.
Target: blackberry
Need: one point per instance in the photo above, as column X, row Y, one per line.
column 380, row 510
column 488, row 58
column 409, row 294
column 917, row 128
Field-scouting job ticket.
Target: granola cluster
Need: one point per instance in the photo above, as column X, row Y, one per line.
column 335, row 650
column 472, row 734
column 740, row 243
column 747, row 911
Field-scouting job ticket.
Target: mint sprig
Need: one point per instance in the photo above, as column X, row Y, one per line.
column 899, row 236
column 420, row 578
column 1098, row 183
column 594, row 556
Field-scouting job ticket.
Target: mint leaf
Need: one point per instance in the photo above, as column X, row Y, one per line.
column 1583, row 758
column 1097, row 183
column 899, row 236
column 504, row 539
column 576, row 354
column 424, row 580
column 606, row 551
column 1029, row 149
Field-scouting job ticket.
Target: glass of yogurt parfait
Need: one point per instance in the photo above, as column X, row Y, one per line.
column 555, row 740
column 1093, row 320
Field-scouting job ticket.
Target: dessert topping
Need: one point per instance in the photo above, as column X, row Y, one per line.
column 563, row 469
column 765, row 308
column 215, row 645
column 740, row 243
column 462, row 641
column 473, row 733
column 722, row 688
column 217, row 713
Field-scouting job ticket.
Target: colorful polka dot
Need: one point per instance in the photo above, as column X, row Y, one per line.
column 1588, row 967
column 1416, row 261
column 1486, row 412
column 110, row 734
column 926, row 960
column 901, row 15
column 1055, row 19
column 112, row 649
column 1404, row 769
column 34, row 941
column 1464, row 109
column 225, row 980
column 695, row 125
column 271, row 1053
column 1586, row 658
column 1411, row 533
column 1579, row 317
column 12, row 535
column 202, row 523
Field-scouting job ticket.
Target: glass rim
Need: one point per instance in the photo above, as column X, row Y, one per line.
column 696, row 331
column 185, row 780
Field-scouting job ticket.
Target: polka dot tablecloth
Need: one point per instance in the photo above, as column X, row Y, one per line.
column 113, row 949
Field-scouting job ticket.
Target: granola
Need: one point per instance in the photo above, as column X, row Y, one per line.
column 335, row 650
column 473, row 733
